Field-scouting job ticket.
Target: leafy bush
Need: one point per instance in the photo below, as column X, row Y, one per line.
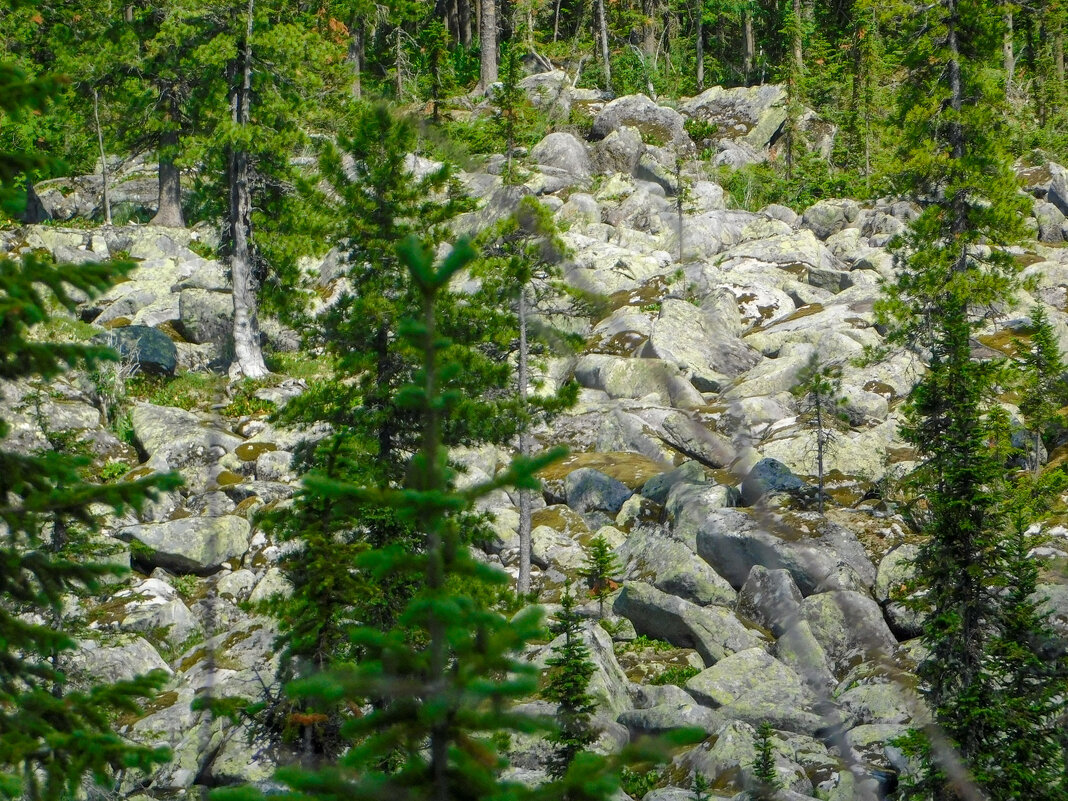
column 676, row 674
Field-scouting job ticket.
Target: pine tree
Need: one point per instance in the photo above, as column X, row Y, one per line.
column 819, row 403
column 1032, row 666
column 600, row 569
column 1044, row 388
column 52, row 736
column 519, row 269
column 569, row 679
column 765, row 778
column 375, row 199
column 955, row 271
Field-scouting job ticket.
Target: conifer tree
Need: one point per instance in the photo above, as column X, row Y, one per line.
column 519, row 269
column 819, row 402
column 955, row 271
column 375, row 199
column 1044, row 388
column 569, row 679
column 600, row 569
column 765, row 778
column 52, row 736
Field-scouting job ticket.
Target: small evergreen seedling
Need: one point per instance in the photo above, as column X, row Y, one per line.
column 699, row 787
column 765, row 778
column 1043, row 385
column 600, row 570
column 569, row 679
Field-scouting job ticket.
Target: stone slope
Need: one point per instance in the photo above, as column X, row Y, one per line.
column 688, row 456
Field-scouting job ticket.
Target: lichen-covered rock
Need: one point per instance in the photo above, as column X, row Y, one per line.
column 669, row 565
column 754, row 687
column 191, row 544
column 769, row 598
column 656, row 124
column 849, row 626
column 713, row 631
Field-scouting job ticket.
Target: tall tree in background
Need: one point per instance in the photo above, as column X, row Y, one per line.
column 52, row 737
column 519, row 270
column 487, row 35
column 955, row 271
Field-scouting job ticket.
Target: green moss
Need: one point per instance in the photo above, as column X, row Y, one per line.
column 632, row 469
column 250, row 451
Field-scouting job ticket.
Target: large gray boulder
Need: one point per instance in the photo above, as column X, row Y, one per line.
column 850, row 628
column 563, row 152
column 709, row 353
column 820, row 555
column 149, row 349
column 549, row 92
column 649, row 555
column 826, row 217
column 191, row 544
column 206, row 317
column 658, row 125
column 1058, row 187
column 119, row 659
column 609, row 684
column 713, row 631
column 755, row 687
column 769, row 598
column 637, row 378
column 618, row 152
column 174, row 439
column 752, row 115
column 589, row 490
column 771, row 477
column 896, row 572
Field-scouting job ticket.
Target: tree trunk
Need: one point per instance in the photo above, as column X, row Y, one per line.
column 819, row 453
column 398, row 59
column 797, row 39
column 356, row 58
column 602, row 29
column 488, row 44
column 556, row 21
column 649, row 28
column 464, row 11
column 523, row 585
column 750, row 45
column 169, row 207
column 248, row 356
column 1008, row 57
column 699, row 38
column 103, row 158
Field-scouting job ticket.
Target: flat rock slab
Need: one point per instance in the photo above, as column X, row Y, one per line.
column 192, row 544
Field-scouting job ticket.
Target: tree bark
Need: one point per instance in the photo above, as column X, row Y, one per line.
column 103, row 158
column 488, row 43
column 602, row 29
column 248, row 355
column 699, row 38
column 525, row 546
column 649, row 28
column 1008, row 57
column 465, row 22
column 750, row 45
column 356, row 58
column 169, row 207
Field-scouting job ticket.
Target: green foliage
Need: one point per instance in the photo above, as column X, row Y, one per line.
column 765, row 778
column 637, row 781
column 52, row 738
column 184, row 391
column 569, row 678
column 757, row 185
column 820, row 406
column 600, row 569
column 699, row 786
column 675, row 674
column 1043, row 383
